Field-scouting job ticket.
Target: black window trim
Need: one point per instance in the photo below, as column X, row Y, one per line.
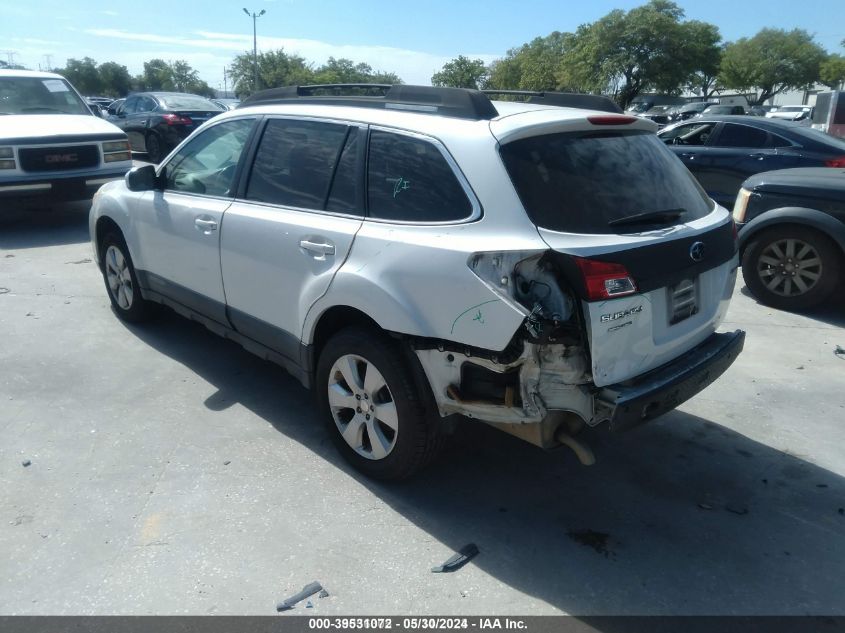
column 252, row 152
column 476, row 213
column 239, row 170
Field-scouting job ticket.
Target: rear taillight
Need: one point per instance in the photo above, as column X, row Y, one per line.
column 835, row 162
column 613, row 119
column 605, row 280
column 176, row 119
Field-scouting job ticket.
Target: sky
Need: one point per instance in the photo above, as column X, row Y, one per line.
column 412, row 39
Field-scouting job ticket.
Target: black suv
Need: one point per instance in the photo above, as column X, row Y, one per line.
column 792, row 235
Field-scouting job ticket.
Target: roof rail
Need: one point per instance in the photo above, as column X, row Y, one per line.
column 461, row 103
column 563, row 99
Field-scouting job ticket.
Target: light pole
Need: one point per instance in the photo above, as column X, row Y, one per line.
column 255, row 17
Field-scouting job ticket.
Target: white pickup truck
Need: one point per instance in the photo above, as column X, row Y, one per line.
column 52, row 147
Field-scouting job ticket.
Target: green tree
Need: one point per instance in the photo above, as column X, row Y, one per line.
column 157, row 75
column 832, row 71
column 704, row 55
column 462, row 72
column 115, row 80
column 275, row 68
column 537, row 65
column 646, row 48
column 83, row 75
column 7, row 66
column 773, row 61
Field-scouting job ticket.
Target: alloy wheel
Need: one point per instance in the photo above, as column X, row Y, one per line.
column 789, row 267
column 119, row 277
column 363, row 407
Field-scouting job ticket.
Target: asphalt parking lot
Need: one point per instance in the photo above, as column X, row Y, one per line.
column 172, row 472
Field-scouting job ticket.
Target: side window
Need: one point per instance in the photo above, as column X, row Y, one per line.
column 130, row 106
column 690, row 134
column 294, row 163
column 734, row 135
column 409, row 179
column 145, row 104
column 778, row 141
column 343, row 195
column 208, row 163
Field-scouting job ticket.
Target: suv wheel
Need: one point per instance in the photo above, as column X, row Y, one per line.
column 791, row 267
column 153, row 146
column 121, row 282
column 374, row 413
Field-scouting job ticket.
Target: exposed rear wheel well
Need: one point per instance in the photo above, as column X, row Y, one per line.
column 332, row 321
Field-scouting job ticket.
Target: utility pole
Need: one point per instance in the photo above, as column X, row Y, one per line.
column 225, row 90
column 255, row 17
column 10, row 55
column 48, row 58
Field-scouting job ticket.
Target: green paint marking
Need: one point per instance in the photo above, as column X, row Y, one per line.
column 400, row 186
column 478, row 317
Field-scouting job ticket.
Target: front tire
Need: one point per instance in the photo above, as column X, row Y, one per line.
column 376, row 417
column 791, row 267
column 121, row 281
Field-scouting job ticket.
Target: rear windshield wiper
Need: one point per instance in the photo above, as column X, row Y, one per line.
column 649, row 217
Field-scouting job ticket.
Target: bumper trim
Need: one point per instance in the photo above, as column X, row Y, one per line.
column 665, row 388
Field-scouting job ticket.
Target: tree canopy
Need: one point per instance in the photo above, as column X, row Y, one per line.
column 462, row 72
column 278, row 68
column 773, row 61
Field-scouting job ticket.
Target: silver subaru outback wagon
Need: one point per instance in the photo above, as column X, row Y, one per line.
column 541, row 263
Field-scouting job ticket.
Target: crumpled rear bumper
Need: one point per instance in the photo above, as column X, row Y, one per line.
column 663, row 389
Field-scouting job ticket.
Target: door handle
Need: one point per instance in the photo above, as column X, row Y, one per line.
column 206, row 226
column 758, row 156
column 689, row 155
column 316, row 247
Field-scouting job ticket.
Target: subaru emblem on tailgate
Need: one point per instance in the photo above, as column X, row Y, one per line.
column 696, row 251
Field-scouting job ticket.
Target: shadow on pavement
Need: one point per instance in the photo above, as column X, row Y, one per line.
column 831, row 312
column 682, row 516
column 54, row 226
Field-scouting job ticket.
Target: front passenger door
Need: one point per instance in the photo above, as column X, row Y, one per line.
column 179, row 228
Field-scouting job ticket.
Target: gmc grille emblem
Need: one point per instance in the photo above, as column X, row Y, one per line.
column 61, row 158
column 696, row 251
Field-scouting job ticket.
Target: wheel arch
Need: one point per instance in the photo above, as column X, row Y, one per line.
column 799, row 216
column 329, row 323
column 105, row 225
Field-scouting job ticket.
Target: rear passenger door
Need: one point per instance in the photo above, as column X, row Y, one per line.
column 737, row 152
column 291, row 227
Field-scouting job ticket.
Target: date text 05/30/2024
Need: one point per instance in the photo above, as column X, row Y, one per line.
column 425, row 623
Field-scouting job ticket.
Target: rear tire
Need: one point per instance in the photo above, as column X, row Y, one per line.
column 121, row 281
column 791, row 267
column 154, row 150
column 375, row 415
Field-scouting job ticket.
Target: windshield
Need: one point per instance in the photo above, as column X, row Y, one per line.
column 39, row 95
column 640, row 106
column 580, row 182
column 188, row 102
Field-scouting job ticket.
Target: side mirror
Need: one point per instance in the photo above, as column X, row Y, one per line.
column 142, row 178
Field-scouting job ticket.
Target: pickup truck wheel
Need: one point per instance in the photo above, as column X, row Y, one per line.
column 121, row 281
column 791, row 267
column 153, row 147
column 374, row 413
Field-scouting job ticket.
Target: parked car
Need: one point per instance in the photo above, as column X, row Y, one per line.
column 758, row 110
column 431, row 252
column 791, row 113
column 792, row 235
column 687, row 111
column 156, row 122
column 52, row 147
column 659, row 114
column 228, row 104
column 829, row 113
column 718, row 109
column 722, row 151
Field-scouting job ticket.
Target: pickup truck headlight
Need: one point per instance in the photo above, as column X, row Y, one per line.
column 7, row 158
column 741, row 205
column 116, row 151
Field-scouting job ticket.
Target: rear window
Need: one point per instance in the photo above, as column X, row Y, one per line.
column 188, row 102
column 822, row 106
column 580, row 182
